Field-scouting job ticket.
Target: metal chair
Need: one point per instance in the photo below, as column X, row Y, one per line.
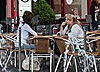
column 10, row 41
column 61, row 45
column 4, row 47
column 42, row 50
column 66, row 48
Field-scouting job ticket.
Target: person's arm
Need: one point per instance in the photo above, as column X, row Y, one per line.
column 30, row 30
column 74, row 31
column 62, row 32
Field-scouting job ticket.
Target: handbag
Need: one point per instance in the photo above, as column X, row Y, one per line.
column 25, row 63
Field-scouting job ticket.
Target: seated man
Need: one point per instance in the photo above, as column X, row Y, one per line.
column 43, row 31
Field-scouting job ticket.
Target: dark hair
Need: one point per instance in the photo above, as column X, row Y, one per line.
column 43, row 27
column 28, row 18
column 94, row 3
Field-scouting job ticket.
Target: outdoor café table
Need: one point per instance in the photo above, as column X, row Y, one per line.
column 95, row 35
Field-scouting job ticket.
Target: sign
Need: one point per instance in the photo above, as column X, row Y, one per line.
column 24, row 5
column 24, row 0
column 69, row 1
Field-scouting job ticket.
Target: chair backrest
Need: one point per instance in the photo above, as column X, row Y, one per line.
column 41, row 45
column 61, row 44
column 7, row 40
column 94, row 32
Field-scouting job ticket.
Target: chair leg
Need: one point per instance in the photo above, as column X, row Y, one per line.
column 65, row 60
column 14, row 59
column 65, row 57
column 75, row 64
column 5, row 57
column 32, row 62
column 1, row 63
column 50, row 62
column 29, row 60
column 95, row 64
column 5, row 66
column 68, row 63
column 58, row 63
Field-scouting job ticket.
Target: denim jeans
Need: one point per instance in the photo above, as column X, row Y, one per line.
column 95, row 25
column 28, row 46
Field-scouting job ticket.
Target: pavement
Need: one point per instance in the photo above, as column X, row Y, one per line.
column 16, row 69
column 13, row 69
column 44, row 68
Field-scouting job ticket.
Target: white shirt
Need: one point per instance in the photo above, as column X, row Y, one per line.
column 76, row 31
column 96, row 14
column 25, row 30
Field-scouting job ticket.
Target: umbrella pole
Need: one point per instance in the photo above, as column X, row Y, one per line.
column 19, row 49
column 19, row 36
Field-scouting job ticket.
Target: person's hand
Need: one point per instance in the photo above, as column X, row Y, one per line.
column 97, row 10
column 39, row 34
column 63, row 24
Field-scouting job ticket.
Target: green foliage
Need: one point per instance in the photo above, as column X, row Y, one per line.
column 43, row 12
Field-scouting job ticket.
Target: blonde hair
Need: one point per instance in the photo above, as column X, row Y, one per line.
column 79, row 23
column 71, row 17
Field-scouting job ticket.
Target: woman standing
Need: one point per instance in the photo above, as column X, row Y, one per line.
column 93, row 14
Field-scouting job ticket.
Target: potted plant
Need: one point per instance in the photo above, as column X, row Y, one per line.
column 43, row 12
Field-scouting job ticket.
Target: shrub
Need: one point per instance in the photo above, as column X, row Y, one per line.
column 43, row 12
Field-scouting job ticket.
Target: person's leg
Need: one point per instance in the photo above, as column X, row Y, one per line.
column 32, row 46
column 28, row 46
column 95, row 25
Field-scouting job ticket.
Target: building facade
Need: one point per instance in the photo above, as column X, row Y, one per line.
column 59, row 6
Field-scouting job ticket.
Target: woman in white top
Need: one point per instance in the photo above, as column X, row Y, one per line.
column 72, row 28
column 25, row 29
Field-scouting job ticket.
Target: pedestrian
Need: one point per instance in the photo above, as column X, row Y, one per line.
column 93, row 12
column 75, row 13
column 44, row 30
column 26, row 29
